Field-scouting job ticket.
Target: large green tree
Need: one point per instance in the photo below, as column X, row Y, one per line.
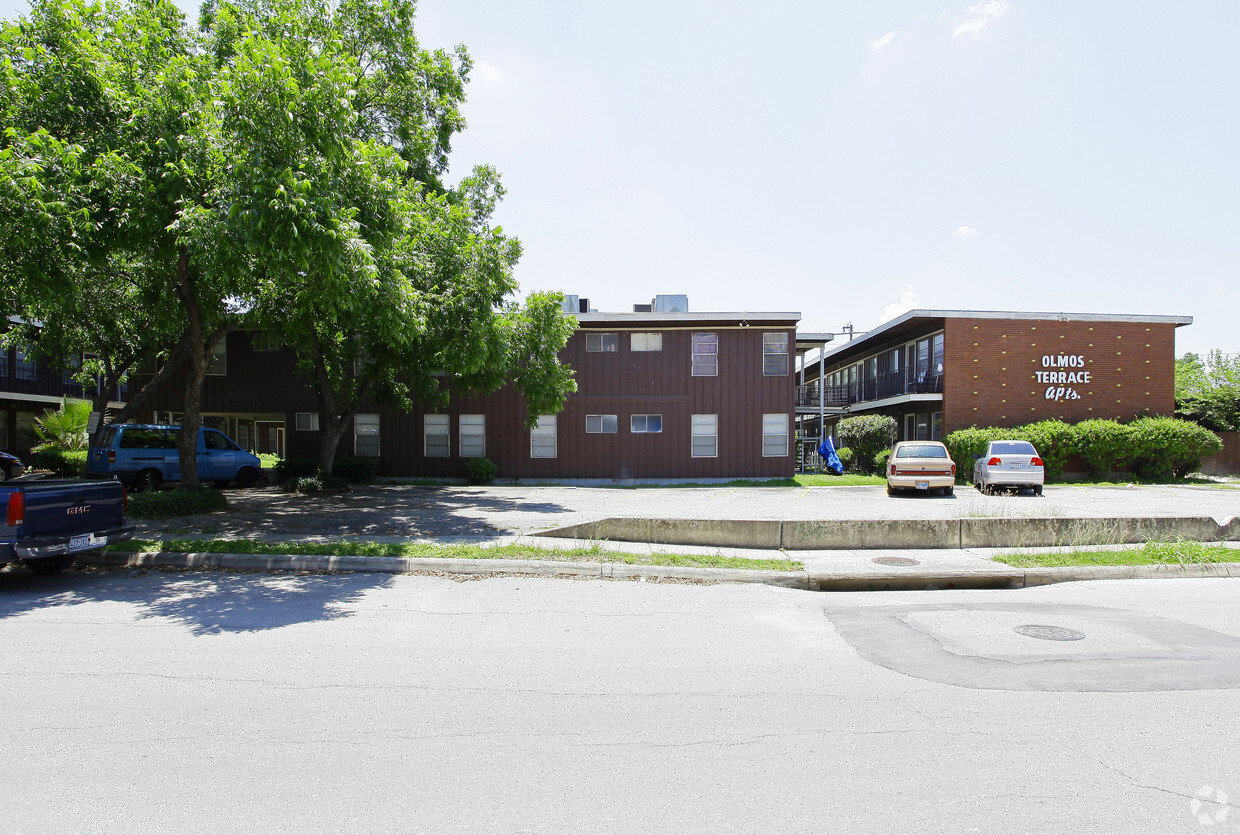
column 1208, row 391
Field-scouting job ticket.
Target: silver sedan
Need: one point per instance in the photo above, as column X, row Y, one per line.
column 1009, row 465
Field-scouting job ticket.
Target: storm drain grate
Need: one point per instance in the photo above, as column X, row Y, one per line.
column 1049, row 633
column 895, row 561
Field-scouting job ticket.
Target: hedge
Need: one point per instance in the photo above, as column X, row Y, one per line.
column 353, row 469
column 866, row 436
column 1164, row 446
column 182, row 501
column 68, row 463
column 1104, row 445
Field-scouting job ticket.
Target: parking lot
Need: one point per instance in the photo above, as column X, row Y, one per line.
column 479, row 512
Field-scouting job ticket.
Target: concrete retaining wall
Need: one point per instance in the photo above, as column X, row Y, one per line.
column 860, row 534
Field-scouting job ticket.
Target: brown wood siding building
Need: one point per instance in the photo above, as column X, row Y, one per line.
column 618, row 387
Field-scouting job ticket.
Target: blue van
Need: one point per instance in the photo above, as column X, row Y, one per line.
column 144, row 456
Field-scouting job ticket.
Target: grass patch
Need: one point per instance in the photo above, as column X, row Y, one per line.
column 846, row 480
column 1181, row 552
column 452, row 551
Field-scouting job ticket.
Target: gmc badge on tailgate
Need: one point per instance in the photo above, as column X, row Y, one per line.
column 77, row 511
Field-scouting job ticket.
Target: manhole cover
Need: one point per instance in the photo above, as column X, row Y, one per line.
column 1049, row 633
column 895, row 561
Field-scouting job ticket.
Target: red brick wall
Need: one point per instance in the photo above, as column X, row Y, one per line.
column 991, row 371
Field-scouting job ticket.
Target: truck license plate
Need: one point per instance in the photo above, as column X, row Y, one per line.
column 923, row 485
column 86, row 540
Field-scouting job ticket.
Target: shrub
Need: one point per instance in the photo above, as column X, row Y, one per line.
column 847, row 458
column 352, row 469
column 866, row 436
column 183, row 501
column 1164, row 446
column 1104, row 445
column 303, row 484
column 1054, row 440
column 880, row 460
column 481, row 470
column 67, row 463
column 291, row 468
column 964, row 445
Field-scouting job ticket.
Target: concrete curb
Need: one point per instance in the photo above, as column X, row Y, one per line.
column 865, row 534
column 893, row 579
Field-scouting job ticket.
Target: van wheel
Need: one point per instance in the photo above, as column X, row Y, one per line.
column 46, row 566
column 246, row 477
column 147, row 480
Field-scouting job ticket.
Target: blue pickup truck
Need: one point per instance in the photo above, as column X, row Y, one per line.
column 144, row 456
column 48, row 522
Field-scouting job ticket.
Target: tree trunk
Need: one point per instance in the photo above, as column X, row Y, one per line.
column 200, row 349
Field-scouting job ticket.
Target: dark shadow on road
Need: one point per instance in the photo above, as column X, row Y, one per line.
column 205, row 602
column 375, row 510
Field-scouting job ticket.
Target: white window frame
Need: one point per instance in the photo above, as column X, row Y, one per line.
column 646, row 342
column 543, row 441
column 704, row 363
column 306, row 421
column 472, row 436
column 775, row 426
column 774, row 346
column 365, row 427
column 702, row 427
column 219, row 359
column 598, row 424
column 644, row 422
column 438, row 427
column 602, row 343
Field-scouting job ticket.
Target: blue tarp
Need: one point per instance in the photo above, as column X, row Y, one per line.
column 827, row 451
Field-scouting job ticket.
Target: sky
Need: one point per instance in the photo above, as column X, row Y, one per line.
column 850, row 161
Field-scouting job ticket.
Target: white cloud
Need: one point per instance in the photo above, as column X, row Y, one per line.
column 981, row 17
column 883, row 41
column 907, row 301
column 486, row 72
column 966, row 233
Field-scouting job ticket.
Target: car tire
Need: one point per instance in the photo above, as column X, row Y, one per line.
column 246, row 477
column 978, row 487
column 1037, row 490
column 147, row 480
column 891, row 491
column 949, row 491
column 5, row 475
column 47, row 566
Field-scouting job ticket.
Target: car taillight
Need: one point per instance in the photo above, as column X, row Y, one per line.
column 1035, row 461
column 17, row 509
column 953, row 469
column 993, row 461
column 893, row 470
column 111, row 456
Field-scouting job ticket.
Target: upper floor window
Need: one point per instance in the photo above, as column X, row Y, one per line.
column 306, row 421
column 705, row 348
column 774, row 354
column 646, row 342
column 25, row 366
column 600, row 424
column 264, row 341
column 602, row 342
column 219, row 358
column 640, row 424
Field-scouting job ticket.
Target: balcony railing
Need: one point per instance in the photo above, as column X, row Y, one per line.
column 53, row 384
column 864, row 391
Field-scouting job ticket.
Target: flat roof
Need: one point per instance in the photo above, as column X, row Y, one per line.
column 671, row 319
column 910, row 320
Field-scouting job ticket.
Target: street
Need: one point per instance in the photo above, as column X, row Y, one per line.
column 216, row 702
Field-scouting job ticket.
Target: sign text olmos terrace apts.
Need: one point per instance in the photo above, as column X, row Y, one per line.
column 1068, row 372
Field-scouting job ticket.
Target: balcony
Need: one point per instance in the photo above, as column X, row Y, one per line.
column 54, row 384
column 864, row 391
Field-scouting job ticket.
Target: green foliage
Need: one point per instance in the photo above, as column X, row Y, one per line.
column 1165, row 446
column 303, row 484
column 880, row 460
column 182, row 501
column 67, row 463
column 866, row 436
column 353, row 469
column 1209, row 392
column 291, row 468
column 348, row 469
column 481, row 470
column 1054, row 440
column 62, row 429
column 1104, row 445
column 847, row 457
column 964, row 445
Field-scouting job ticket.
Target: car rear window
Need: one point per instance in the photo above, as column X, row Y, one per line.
column 107, row 436
column 922, row 451
column 1012, row 448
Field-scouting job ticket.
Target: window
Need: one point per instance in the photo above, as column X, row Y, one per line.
column 219, row 358
column 704, row 430
column 217, row 440
column 774, row 354
column 542, row 438
column 243, row 436
column 4, row 362
column 936, row 426
column 306, row 421
column 774, row 435
column 705, row 355
column 645, row 424
column 436, row 436
column 366, row 435
column 646, row 342
column 601, row 424
column 25, row 365
column 73, row 365
column 473, row 438
column 4, row 430
column 602, row 342
column 264, row 341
